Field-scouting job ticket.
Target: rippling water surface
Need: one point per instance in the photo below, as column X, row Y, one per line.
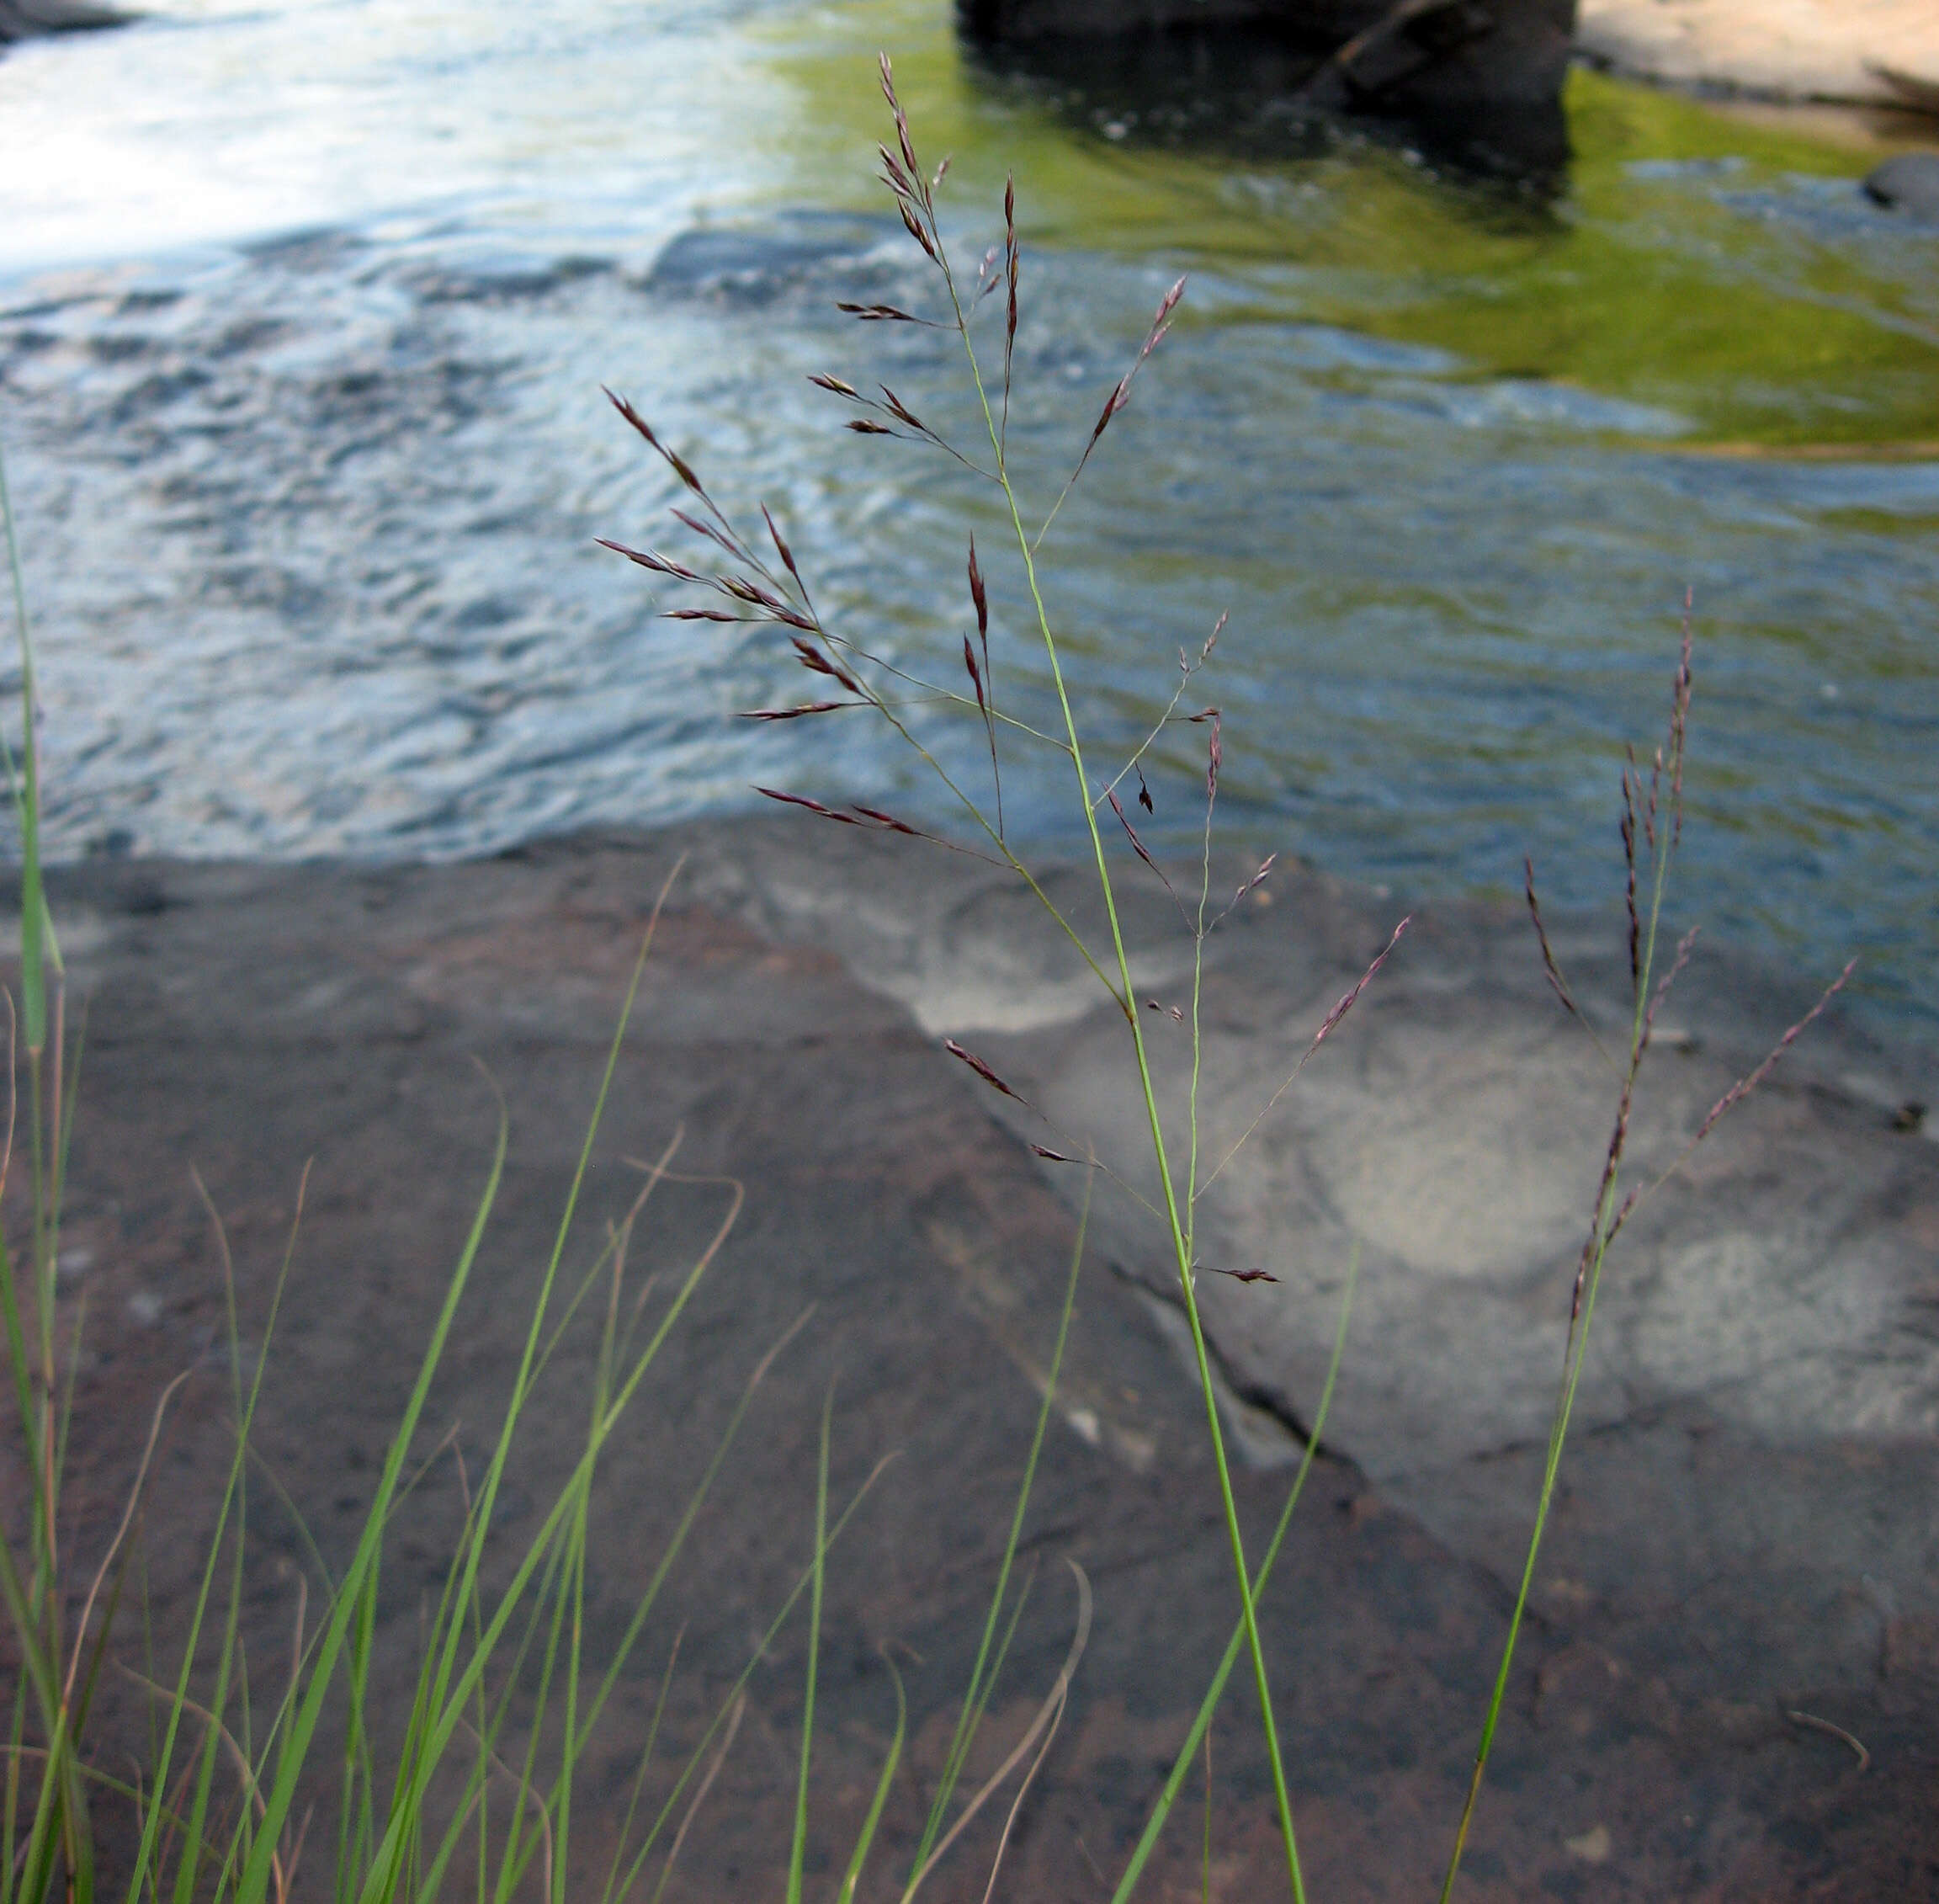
column 303, row 310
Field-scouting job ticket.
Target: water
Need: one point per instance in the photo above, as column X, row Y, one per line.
column 304, row 312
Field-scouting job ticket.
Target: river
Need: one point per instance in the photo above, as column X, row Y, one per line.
column 305, row 309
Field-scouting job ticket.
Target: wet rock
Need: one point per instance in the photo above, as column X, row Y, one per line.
column 1502, row 58
column 1907, row 182
column 755, row 265
column 26, row 19
column 1765, row 1316
column 502, row 279
column 1249, row 90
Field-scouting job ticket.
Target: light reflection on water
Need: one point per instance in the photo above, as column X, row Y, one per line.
column 305, row 311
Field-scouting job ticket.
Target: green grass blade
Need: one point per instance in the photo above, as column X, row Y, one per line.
column 798, row 1850
column 852, row 1875
column 1551, row 1468
column 146, row 1872
column 514, row 1861
column 16, row 1739
column 385, row 1871
column 644, row 1605
column 187, row 1873
column 1603, row 1225
column 1123, row 992
column 295, row 1751
column 1182, row 1765
column 610, row 1894
column 1205, row 1856
column 452, row 1683
column 740, row 1686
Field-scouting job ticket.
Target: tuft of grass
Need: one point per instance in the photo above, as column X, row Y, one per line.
column 1652, row 828
column 59, row 1671
column 238, row 1799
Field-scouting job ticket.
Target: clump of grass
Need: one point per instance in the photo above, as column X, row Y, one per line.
column 749, row 575
column 235, row 1795
column 247, row 1790
column 58, row 1671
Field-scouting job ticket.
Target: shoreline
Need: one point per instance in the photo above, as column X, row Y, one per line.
column 1894, row 1038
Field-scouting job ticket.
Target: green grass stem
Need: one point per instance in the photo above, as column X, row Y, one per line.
column 1201, row 1724
column 797, row 1847
column 1124, row 992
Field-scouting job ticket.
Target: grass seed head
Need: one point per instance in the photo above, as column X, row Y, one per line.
column 982, row 1070
column 878, row 314
column 916, row 231
column 902, row 412
column 890, row 822
column 813, row 807
column 978, row 593
column 792, row 713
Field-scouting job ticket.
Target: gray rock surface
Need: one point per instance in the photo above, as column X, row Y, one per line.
column 1762, row 1389
column 1724, row 1557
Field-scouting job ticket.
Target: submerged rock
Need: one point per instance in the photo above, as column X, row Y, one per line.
column 757, row 264
column 1907, row 182
column 1506, row 50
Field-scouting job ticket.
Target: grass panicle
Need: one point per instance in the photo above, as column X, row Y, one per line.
column 1651, row 830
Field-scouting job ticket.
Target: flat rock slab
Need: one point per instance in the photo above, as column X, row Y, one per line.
column 1868, row 52
column 1760, row 1410
column 1709, row 1578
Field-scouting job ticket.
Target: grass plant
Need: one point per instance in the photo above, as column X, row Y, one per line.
column 242, row 1797
column 250, row 1787
column 762, row 583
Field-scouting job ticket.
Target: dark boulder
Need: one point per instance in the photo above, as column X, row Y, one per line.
column 25, row 19
column 1403, row 52
column 1476, row 80
column 1908, row 183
